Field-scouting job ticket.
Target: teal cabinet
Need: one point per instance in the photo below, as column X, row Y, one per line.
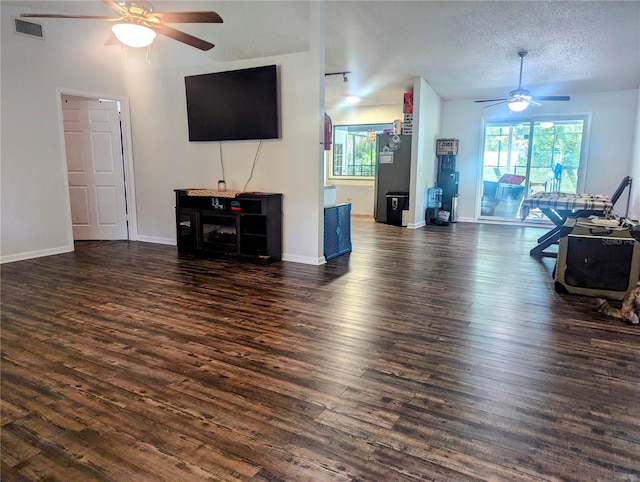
column 337, row 230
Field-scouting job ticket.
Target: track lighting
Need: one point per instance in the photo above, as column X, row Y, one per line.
column 345, row 79
column 351, row 99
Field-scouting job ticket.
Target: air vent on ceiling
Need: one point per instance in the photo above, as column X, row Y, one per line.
column 28, row 28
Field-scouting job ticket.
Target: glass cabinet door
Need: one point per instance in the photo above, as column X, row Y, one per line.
column 219, row 232
column 186, row 228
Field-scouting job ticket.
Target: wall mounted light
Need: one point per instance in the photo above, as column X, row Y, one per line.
column 134, row 35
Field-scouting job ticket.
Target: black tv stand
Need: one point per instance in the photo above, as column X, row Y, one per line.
column 244, row 225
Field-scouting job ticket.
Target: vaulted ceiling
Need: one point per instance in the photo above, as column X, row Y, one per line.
column 463, row 49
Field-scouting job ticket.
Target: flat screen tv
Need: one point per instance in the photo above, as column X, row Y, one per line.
column 233, row 105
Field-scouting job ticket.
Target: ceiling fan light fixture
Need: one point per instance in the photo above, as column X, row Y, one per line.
column 134, row 35
column 518, row 105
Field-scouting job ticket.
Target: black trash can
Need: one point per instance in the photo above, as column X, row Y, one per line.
column 396, row 203
column 430, row 215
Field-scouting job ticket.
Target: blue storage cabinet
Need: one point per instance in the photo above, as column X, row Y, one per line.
column 337, row 230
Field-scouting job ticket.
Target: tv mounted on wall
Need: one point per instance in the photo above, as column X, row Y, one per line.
column 234, row 105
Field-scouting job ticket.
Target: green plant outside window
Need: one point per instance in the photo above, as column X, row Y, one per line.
column 354, row 150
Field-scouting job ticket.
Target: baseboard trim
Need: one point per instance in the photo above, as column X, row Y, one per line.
column 35, row 254
column 156, row 240
column 303, row 259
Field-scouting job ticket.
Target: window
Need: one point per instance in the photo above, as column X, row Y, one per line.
column 525, row 156
column 354, row 150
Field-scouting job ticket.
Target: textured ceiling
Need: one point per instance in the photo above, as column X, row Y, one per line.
column 464, row 50
column 468, row 50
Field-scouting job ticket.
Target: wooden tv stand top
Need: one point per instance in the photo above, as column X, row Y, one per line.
column 205, row 192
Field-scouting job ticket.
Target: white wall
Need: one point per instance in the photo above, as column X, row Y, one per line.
column 613, row 124
column 634, row 207
column 35, row 211
column 34, row 202
column 427, row 120
column 165, row 159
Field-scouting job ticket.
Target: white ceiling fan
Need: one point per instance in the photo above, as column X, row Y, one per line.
column 519, row 99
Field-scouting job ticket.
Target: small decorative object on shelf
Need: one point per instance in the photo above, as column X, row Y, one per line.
column 222, row 186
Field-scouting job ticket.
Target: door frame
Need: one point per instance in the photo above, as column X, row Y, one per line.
column 582, row 171
column 127, row 151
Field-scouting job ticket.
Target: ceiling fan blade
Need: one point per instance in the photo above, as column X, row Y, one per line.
column 490, row 100
column 55, row 15
column 188, row 17
column 503, row 101
column 520, row 95
column 552, row 97
column 118, row 8
column 183, row 37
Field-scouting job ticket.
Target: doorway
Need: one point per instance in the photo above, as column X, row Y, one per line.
column 99, row 174
column 521, row 157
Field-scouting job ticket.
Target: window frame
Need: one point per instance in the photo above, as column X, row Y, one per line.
column 531, row 119
column 379, row 127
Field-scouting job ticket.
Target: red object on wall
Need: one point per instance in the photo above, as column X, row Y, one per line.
column 407, row 106
column 328, row 131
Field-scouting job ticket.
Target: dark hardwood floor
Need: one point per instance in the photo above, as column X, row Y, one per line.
column 441, row 353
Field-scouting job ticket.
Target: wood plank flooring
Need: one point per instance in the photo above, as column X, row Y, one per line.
column 441, row 353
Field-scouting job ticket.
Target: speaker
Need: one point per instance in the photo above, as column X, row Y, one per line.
column 596, row 261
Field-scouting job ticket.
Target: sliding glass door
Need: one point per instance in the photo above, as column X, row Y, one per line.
column 525, row 156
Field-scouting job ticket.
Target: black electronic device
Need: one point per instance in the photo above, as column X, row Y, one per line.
column 448, row 178
column 596, row 260
column 234, row 105
column 448, row 181
column 447, row 163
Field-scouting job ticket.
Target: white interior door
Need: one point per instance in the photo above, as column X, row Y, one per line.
column 95, row 169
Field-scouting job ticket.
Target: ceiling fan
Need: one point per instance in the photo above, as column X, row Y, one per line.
column 519, row 99
column 138, row 24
